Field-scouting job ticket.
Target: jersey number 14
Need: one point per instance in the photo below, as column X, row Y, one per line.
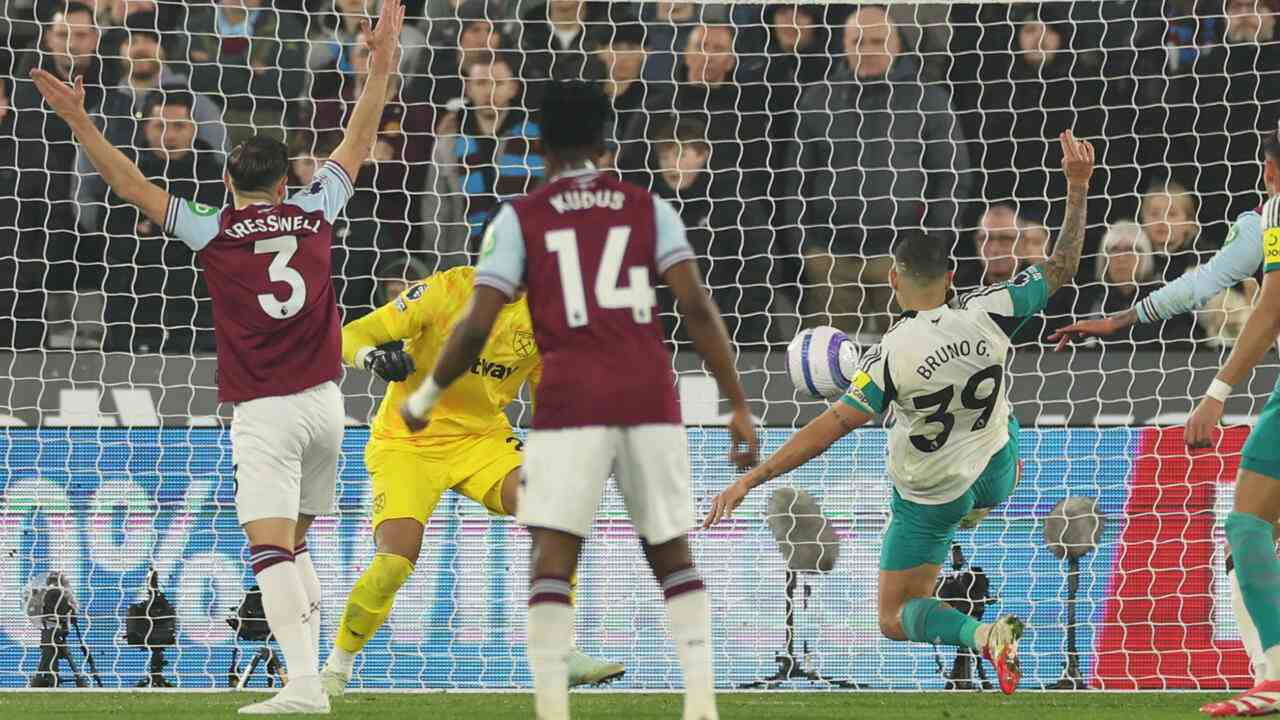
column 638, row 295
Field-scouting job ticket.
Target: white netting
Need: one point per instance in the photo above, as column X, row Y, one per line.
column 796, row 142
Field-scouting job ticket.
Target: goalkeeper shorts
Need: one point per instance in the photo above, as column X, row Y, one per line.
column 408, row 479
column 1261, row 453
column 921, row 534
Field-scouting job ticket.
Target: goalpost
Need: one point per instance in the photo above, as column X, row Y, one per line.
column 793, row 182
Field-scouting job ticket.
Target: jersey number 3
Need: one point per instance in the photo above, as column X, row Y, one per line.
column 940, row 401
column 638, row 295
column 279, row 271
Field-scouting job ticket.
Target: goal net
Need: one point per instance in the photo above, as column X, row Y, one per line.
column 796, row 142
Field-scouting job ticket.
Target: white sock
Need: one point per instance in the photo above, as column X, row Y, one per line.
column 689, row 618
column 341, row 660
column 311, row 587
column 1248, row 632
column 285, row 605
column 1273, row 661
column 550, row 639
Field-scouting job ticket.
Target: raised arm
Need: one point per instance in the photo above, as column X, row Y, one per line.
column 362, row 129
column 808, row 443
column 1077, row 165
column 711, row 341
column 117, row 171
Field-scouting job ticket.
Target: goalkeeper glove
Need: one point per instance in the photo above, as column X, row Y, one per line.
column 390, row 365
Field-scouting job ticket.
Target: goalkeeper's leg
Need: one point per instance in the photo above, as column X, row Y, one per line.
column 399, row 541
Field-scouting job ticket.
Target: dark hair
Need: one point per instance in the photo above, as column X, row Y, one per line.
column 670, row 127
column 921, row 257
column 574, row 116
column 1271, row 146
column 160, row 98
column 257, row 164
column 623, row 33
column 142, row 24
column 74, row 7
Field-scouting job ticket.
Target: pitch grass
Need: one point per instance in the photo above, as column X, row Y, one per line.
column 624, row 706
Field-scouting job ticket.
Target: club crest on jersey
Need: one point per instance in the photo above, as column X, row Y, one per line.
column 416, row 291
column 201, row 209
column 523, row 345
column 316, row 188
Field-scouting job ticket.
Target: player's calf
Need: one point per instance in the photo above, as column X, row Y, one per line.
column 689, row 617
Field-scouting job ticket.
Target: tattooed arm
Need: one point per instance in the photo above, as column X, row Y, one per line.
column 1077, row 165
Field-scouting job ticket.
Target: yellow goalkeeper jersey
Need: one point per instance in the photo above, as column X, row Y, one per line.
column 423, row 316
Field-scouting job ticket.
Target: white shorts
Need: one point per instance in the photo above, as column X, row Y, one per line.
column 565, row 472
column 285, row 451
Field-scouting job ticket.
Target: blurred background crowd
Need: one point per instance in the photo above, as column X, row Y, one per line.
column 795, row 141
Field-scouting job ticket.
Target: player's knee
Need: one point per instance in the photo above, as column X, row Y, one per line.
column 402, row 537
column 891, row 625
column 667, row 557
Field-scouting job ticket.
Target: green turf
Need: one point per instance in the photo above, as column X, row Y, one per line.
column 623, row 706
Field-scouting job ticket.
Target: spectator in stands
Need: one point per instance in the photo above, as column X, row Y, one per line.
column 115, row 18
column 668, row 25
column 334, row 36
column 1168, row 218
column 730, row 235
column 1232, row 92
column 155, row 300
column 48, row 262
column 470, row 34
column 1008, row 243
column 553, row 38
column 729, row 96
column 877, row 150
column 144, row 71
column 253, row 58
column 798, row 56
column 488, row 151
column 618, row 56
column 1126, row 273
column 1028, row 97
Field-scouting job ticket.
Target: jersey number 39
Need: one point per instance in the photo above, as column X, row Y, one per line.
column 940, row 401
column 637, row 295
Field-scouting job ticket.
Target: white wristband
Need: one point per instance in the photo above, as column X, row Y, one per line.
column 1218, row 390
column 424, row 398
column 361, row 354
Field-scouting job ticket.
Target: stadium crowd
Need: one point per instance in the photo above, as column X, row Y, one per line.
column 795, row 141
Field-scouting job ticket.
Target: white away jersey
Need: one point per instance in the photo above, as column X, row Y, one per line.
column 943, row 373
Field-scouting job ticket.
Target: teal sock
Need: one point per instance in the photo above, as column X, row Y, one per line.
column 1258, row 572
column 933, row 621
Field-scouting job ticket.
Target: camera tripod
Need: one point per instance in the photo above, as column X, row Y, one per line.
column 789, row 666
column 53, row 650
column 1071, row 678
column 155, row 671
column 238, row 678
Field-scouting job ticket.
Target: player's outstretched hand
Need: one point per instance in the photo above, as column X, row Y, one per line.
column 415, row 423
column 1077, row 331
column 1201, row 424
column 744, row 450
column 1077, row 158
column 725, row 503
column 384, row 40
column 390, row 365
column 66, row 100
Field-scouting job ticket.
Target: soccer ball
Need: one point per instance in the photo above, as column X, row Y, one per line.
column 821, row 362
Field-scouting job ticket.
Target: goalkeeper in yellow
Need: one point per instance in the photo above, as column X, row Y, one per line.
column 468, row 448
